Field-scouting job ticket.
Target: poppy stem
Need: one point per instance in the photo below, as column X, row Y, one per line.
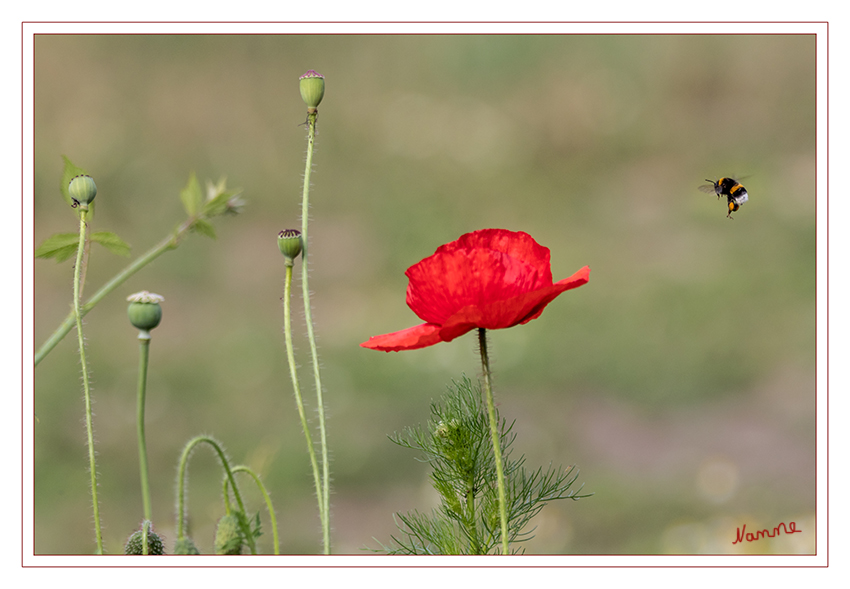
column 181, row 485
column 78, row 316
column 290, row 356
column 269, row 506
column 324, row 495
column 144, row 352
column 494, row 434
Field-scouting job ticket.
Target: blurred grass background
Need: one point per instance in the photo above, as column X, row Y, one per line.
column 681, row 379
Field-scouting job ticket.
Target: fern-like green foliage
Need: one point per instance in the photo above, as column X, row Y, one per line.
column 456, row 443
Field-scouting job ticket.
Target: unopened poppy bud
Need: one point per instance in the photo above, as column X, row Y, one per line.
column 312, row 89
column 144, row 310
column 290, row 244
column 82, row 190
column 228, row 540
column 134, row 543
column 185, row 545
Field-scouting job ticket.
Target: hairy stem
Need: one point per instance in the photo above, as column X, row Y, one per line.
column 78, row 316
column 305, row 210
column 269, row 506
column 290, row 356
column 494, row 434
column 181, row 483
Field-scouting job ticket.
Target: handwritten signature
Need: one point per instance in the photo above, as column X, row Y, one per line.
column 743, row 534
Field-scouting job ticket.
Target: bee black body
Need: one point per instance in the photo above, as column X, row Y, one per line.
column 734, row 191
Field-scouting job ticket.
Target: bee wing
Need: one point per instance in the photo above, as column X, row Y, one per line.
column 709, row 188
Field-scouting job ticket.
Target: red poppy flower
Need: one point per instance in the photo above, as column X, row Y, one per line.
column 491, row 278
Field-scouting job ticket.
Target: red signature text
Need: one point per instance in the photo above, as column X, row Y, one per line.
column 743, row 534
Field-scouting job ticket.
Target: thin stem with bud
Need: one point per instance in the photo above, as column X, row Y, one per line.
column 305, row 210
column 181, row 485
column 290, row 356
column 78, row 316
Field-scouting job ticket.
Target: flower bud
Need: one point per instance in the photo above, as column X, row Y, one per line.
column 134, row 543
column 312, row 89
column 144, row 310
column 228, row 539
column 82, row 190
column 185, row 546
column 290, row 244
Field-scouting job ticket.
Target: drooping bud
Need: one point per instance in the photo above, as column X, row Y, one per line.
column 144, row 310
column 228, row 539
column 134, row 543
column 82, row 190
column 290, row 244
column 312, row 89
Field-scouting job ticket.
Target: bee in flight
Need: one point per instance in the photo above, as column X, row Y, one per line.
column 734, row 191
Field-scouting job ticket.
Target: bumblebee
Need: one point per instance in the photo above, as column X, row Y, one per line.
column 734, row 191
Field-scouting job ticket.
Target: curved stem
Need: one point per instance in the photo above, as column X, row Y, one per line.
column 290, row 356
column 269, row 506
column 78, row 316
column 305, row 210
column 144, row 347
column 226, row 495
column 494, row 434
column 181, row 482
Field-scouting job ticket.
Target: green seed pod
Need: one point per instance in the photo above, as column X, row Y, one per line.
column 134, row 543
column 185, row 546
column 82, row 190
column 312, row 89
column 290, row 244
column 228, row 539
column 144, row 310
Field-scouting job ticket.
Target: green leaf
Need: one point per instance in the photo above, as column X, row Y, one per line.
column 111, row 242
column 69, row 172
column 204, row 228
column 60, row 246
column 218, row 198
column 217, row 205
column 191, row 196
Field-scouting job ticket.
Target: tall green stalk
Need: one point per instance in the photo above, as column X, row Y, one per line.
column 144, row 348
column 290, row 356
column 494, row 434
column 145, row 313
column 305, row 213
column 78, row 316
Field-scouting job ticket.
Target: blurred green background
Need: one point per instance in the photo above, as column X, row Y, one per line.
column 680, row 379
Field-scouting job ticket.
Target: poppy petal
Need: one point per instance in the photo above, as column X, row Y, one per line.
column 516, row 244
column 491, row 279
column 579, row 278
column 412, row 338
column 516, row 310
column 443, row 284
